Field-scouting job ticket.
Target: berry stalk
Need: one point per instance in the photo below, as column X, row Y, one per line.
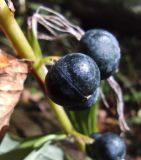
column 12, row 30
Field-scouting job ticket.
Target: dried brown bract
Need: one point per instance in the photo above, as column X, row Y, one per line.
column 13, row 73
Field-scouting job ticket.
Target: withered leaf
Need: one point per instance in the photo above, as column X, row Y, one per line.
column 13, row 73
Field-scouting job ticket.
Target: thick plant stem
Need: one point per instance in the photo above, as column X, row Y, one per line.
column 61, row 115
column 14, row 33
column 12, row 30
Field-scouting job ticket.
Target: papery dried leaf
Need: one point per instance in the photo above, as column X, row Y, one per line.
column 4, row 60
column 13, row 73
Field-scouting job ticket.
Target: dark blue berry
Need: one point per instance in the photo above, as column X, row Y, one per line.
column 108, row 146
column 72, row 80
column 104, row 48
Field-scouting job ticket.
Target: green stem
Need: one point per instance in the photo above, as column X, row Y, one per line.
column 14, row 33
column 38, row 141
column 49, row 60
column 34, row 43
column 93, row 128
column 61, row 115
column 12, row 30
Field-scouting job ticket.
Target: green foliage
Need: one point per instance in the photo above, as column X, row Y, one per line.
column 37, row 148
column 46, row 152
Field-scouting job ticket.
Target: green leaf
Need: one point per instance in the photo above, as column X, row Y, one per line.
column 31, row 148
column 34, row 43
column 46, row 152
column 8, row 144
column 9, row 149
column 17, row 154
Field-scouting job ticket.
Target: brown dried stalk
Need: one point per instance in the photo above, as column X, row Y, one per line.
column 120, row 103
column 56, row 24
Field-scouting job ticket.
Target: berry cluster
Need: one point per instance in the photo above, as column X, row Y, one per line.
column 73, row 82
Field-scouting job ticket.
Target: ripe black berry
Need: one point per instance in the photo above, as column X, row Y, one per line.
column 108, row 146
column 72, row 80
column 104, row 48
